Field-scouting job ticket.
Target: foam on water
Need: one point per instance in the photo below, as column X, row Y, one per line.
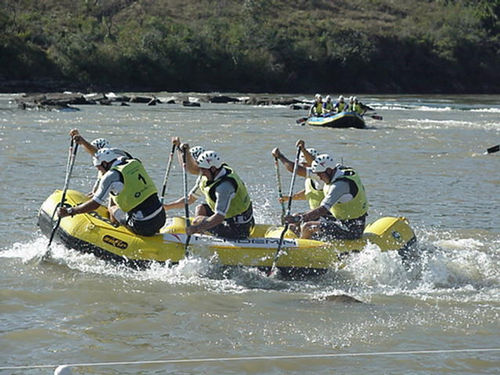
column 447, row 268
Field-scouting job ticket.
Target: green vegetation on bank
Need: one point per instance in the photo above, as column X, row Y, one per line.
column 395, row 46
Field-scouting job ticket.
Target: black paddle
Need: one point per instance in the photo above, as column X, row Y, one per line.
column 186, row 198
column 69, row 169
column 302, row 120
column 289, row 208
column 280, row 194
column 375, row 117
column 167, row 172
column 493, row 149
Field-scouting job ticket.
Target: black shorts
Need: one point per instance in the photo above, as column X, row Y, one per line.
column 155, row 215
column 231, row 229
column 147, row 227
column 331, row 228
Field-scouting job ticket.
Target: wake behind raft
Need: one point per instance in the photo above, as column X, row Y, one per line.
column 94, row 233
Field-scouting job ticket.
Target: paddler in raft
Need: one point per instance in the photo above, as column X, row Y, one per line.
column 92, row 148
column 135, row 202
column 313, row 190
column 342, row 212
column 228, row 209
column 191, row 156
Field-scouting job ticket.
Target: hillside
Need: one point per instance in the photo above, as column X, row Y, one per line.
column 378, row 46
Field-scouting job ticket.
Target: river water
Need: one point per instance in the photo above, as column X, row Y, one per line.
column 425, row 160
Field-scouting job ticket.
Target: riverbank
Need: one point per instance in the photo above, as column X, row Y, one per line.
column 67, row 100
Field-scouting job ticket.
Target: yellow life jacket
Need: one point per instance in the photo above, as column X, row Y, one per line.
column 240, row 202
column 356, row 207
column 313, row 196
column 137, row 185
column 341, row 107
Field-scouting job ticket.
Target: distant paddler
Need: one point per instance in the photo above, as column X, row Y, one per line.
column 317, row 106
column 340, row 105
column 342, row 212
column 228, row 209
column 135, row 202
column 328, row 105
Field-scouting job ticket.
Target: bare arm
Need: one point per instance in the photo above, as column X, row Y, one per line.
column 205, row 224
column 309, row 158
column 179, row 203
column 83, row 208
column 298, row 196
column 191, row 165
column 301, row 171
column 75, row 134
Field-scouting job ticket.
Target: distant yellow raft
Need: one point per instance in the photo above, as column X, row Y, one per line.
column 94, row 233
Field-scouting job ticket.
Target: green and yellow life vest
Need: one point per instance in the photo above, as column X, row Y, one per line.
column 327, row 107
column 137, row 185
column 356, row 108
column 240, row 202
column 341, row 107
column 356, row 207
column 318, row 108
column 313, row 196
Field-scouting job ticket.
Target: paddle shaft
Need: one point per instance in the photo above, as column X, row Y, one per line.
column 186, row 198
column 280, row 194
column 493, row 149
column 289, row 209
column 167, row 172
column 69, row 169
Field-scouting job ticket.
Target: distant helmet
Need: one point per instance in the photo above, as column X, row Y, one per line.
column 328, row 98
column 100, row 143
column 196, row 151
column 208, row 159
column 351, row 99
column 105, row 155
column 341, row 98
column 313, row 153
column 317, row 96
column 322, row 162
column 355, row 99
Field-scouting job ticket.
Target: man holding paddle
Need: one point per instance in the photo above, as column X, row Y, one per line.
column 137, row 204
column 342, row 213
column 228, row 209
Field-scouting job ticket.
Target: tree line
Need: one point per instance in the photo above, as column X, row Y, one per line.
column 378, row 46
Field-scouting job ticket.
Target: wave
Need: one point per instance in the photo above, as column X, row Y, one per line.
column 458, row 269
column 402, row 107
column 433, row 123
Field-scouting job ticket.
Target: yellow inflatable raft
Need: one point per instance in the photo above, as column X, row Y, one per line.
column 94, row 233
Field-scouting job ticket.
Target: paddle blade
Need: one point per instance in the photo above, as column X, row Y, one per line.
column 301, row 120
column 376, row 117
column 493, row 149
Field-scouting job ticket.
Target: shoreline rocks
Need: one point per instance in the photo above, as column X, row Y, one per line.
column 64, row 100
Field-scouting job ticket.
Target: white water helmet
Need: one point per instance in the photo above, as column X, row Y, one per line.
column 328, row 98
column 341, row 98
column 351, row 99
column 322, row 163
column 313, row 153
column 209, row 159
column 100, row 143
column 355, row 99
column 196, row 151
column 105, row 155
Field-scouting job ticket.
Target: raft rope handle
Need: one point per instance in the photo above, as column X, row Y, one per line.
column 259, row 358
